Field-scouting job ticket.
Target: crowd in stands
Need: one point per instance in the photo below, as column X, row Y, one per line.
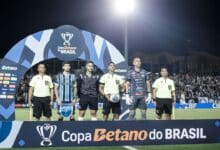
column 189, row 88
column 197, row 88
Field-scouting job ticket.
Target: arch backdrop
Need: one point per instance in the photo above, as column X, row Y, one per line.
column 66, row 43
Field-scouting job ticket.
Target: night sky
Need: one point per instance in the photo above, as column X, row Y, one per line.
column 155, row 26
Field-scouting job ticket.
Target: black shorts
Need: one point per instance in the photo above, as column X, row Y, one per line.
column 86, row 101
column 109, row 106
column 41, row 105
column 138, row 103
column 163, row 106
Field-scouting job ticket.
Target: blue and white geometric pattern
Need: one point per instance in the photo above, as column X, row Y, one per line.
column 36, row 48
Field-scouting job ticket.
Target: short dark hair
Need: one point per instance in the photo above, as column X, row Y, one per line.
column 164, row 67
column 136, row 57
column 89, row 62
column 111, row 63
column 65, row 62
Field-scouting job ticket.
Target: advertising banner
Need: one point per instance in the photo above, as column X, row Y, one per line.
column 61, row 134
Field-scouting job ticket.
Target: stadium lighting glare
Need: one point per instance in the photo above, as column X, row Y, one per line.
column 124, row 7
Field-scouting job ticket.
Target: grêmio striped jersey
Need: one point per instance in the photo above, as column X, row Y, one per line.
column 65, row 84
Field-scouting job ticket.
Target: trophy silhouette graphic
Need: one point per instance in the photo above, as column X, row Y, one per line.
column 46, row 131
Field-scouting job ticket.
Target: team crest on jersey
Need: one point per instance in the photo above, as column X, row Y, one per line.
column 117, row 81
column 46, row 82
column 169, row 87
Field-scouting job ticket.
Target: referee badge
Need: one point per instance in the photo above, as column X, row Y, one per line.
column 117, row 81
column 46, row 82
column 169, row 87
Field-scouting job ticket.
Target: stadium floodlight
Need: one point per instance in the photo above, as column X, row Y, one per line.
column 123, row 7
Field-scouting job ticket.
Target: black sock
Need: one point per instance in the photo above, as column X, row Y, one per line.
column 60, row 119
column 72, row 119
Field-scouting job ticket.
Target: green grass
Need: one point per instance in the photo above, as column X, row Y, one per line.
column 23, row 114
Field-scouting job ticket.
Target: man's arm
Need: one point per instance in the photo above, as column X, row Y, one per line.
column 173, row 93
column 101, row 91
column 57, row 93
column 155, row 87
column 174, row 96
column 30, row 95
column 51, row 86
column 154, row 93
column 148, row 97
column 51, row 96
column 75, row 93
column 148, row 86
column 122, row 85
column 127, row 87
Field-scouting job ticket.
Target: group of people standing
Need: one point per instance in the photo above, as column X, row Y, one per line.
column 86, row 87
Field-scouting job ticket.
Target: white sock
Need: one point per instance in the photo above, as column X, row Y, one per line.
column 80, row 118
column 94, row 119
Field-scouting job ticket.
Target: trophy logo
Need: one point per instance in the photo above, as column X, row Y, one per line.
column 67, row 36
column 46, row 131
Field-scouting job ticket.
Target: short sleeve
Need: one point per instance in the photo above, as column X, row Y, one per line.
column 50, row 83
column 155, row 84
column 74, row 79
column 173, row 86
column 128, row 76
column 57, row 79
column 102, row 79
column 147, row 75
column 32, row 82
column 121, row 80
column 98, row 80
column 79, row 79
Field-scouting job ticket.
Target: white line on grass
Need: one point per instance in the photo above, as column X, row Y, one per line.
column 129, row 147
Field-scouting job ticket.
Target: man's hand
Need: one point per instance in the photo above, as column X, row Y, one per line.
column 30, row 103
column 59, row 101
column 174, row 100
column 51, row 103
column 129, row 99
column 74, row 101
column 30, row 96
column 174, row 103
column 154, row 97
column 155, row 103
column 148, row 98
column 107, row 96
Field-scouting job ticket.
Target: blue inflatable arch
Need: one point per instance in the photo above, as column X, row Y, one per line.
column 65, row 43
